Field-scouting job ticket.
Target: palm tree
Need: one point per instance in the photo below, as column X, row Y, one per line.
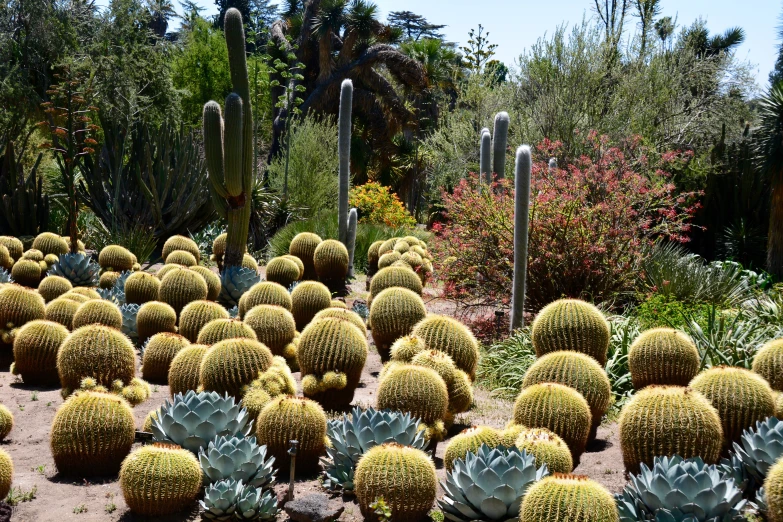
column 161, row 11
column 335, row 40
column 770, row 153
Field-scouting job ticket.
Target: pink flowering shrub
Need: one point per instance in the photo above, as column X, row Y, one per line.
column 589, row 223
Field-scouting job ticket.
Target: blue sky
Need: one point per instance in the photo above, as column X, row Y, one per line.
column 516, row 24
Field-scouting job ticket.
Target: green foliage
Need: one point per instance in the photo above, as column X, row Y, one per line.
column 502, row 366
column 659, row 310
column 312, row 169
column 378, row 205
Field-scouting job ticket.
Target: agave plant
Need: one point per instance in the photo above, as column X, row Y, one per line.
column 220, row 500
column 361, row 308
column 734, row 468
column 677, row 490
column 489, row 484
column 256, row 504
column 113, row 294
column 194, row 419
column 238, row 458
column 235, row 281
column 5, row 276
column 351, row 437
column 129, row 312
column 79, row 269
column 760, row 448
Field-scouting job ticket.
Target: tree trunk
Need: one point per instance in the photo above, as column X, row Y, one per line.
column 775, row 237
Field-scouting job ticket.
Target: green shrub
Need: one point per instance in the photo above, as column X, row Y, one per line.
column 660, row 310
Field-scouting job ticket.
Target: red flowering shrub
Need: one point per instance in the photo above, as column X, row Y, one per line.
column 378, row 205
column 589, row 222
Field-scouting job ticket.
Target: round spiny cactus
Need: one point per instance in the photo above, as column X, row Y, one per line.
column 449, row 336
column 337, row 303
column 547, row 448
column 401, row 246
column 159, row 352
column 666, row 421
column 96, row 351
column 297, row 262
column 773, row 492
column 373, row 256
column 75, row 297
column 49, row 243
column 212, row 280
column 266, row 293
column 6, row 261
column 219, row 248
column 180, row 243
column 185, row 369
column 27, row 272
column 331, row 260
column 89, row 293
column 141, row 287
column 663, row 356
column 283, row 271
column 387, row 246
column 413, row 260
column 50, row 260
column 155, row 317
column 249, row 262
column 557, row 408
column 62, row 311
column 568, row 498
column 108, row 279
column 277, row 380
column 418, row 391
column 116, row 258
column 161, row 479
column 14, row 246
column 395, row 276
column 332, row 352
column 35, row 351
column 6, row 473
column 91, row 434
column 98, row 312
column 303, row 246
column 19, row 305
column 221, row 329
column 469, row 440
column 571, row 324
column 768, row 362
column 6, row 421
column 393, row 314
column 460, row 393
column 196, row 315
column 402, row 476
column 274, row 326
column 167, row 269
column 307, row 299
column 181, row 287
column 405, row 348
column 438, row 361
column 388, row 259
column 232, row 364
column 53, row 287
column 255, row 400
column 741, row 397
column 293, row 418
column 344, row 314
column 578, row 371
column 181, row 257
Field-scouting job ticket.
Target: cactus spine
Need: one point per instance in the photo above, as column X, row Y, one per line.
column 344, row 151
column 522, row 172
column 499, row 143
column 353, row 220
column 485, row 159
column 229, row 152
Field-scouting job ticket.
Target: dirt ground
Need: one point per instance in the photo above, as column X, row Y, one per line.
column 59, row 498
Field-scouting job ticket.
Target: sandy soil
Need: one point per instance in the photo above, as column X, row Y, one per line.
column 59, row 498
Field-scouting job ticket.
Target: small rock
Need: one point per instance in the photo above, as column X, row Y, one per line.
column 315, row 507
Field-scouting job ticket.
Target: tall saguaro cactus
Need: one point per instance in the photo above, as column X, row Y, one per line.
column 499, row 144
column 353, row 222
column 344, row 151
column 228, row 145
column 485, row 158
column 522, row 172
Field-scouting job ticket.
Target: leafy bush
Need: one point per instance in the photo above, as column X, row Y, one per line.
column 660, row 310
column 502, row 367
column 624, row 331
column 589, row 224
column 376, row 204
column 312, row 166
column 325, row 225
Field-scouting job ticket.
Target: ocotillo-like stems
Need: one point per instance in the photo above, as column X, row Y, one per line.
column 344, row 151
column 499, row 144
column 485, row 160
column 353, row 218
column 522, row 172
column 228, row 145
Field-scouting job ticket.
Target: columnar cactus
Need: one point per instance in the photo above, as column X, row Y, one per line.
column 293, row 418
column 91, row 434
column 568, row 498
column 402, row 476
column 485, row 156
column 522, row 173
column 663, row 356
column 35, row 351
column 571, row 324
column 499, row 144
column 353, row 223
column 228, row 145
column 666, row 421
column 344, row 152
